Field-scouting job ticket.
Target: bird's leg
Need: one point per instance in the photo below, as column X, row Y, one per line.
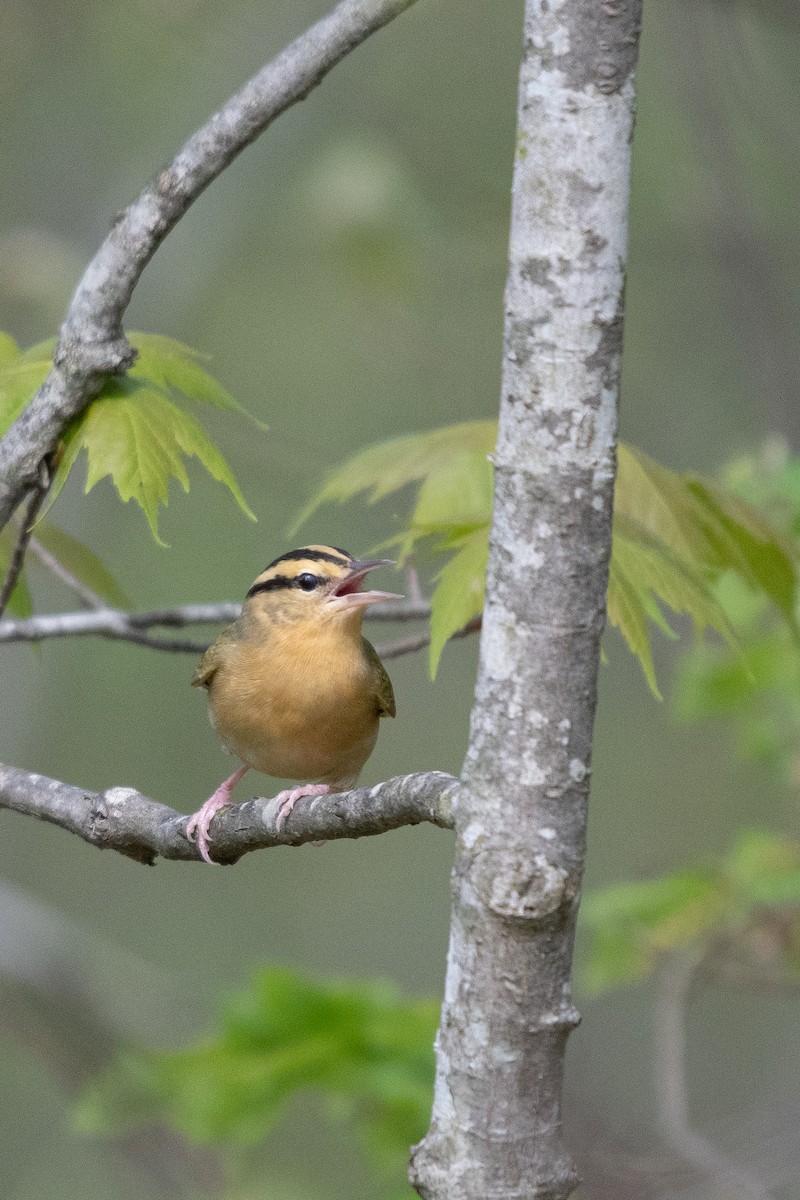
column 289, row 798
column 200, row 822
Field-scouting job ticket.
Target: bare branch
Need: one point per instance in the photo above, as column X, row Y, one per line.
column 105, row 622
column 131, row 627
column 92, row 344
column 123, row 819
column 121, row 626
column 57, row 568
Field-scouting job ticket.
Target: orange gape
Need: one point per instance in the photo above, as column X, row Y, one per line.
column 294, row 689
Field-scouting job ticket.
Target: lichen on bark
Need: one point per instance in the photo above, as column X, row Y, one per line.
column 521, row 818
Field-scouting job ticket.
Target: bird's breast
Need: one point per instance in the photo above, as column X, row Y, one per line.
column 299, row 704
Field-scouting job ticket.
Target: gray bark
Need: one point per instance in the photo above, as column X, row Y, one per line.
column 521, row 821
column 92, row 344
column 123, row 819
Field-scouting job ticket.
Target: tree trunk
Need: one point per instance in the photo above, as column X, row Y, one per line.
column 521, row 820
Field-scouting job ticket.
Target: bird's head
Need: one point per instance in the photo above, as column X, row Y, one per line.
column 315, row 582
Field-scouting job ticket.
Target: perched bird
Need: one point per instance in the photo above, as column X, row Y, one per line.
column 294, row 690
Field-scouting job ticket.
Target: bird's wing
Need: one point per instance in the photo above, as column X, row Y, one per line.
column 383, row 685
column 212, row 659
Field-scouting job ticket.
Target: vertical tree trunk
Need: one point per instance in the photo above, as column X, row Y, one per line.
column 521, row 822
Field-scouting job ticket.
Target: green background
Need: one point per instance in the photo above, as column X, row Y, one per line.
column 346, row 277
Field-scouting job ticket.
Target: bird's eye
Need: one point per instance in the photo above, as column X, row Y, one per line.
column 307, row 581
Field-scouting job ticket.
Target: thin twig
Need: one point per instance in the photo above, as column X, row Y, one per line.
column 37, row 495
column 672, row 1092
column 171, row 645
column 407, row 645
column 418, row 641
column 57, row 568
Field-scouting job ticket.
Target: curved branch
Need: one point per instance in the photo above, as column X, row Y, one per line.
column 91, row 343
column 123, row 819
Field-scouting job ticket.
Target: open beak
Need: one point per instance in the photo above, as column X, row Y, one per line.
column 348, row 590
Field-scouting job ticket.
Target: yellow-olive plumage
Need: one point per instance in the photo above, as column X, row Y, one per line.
column 294, row 689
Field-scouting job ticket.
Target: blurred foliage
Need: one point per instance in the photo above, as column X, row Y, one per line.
column 757, row 687
column 364, row 1047
column 133, row 430
column 750, row 900
column 368, row 1050
column 756, row 886
column 674, row 535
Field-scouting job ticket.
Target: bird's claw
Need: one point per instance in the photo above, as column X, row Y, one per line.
column 197, row 831
column 289, row 798
column 198, row 825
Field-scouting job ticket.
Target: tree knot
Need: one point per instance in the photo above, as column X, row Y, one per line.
column 109, row 356
column 521, row 885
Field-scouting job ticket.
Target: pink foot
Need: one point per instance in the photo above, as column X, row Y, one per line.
column 290, row 797
column 198, row 825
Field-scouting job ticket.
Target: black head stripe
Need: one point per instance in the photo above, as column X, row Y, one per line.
column 280, row 582
column 308, row 555
column 276, row 584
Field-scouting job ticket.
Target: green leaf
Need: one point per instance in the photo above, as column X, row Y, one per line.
column 706, row 527
column 618, row 956
column 9, row 349
column 40, row 352
column 764, row 868
column 140, row 439
column 675, row 536
column 457, row 494
column 459, row 592
column 628, row 613
column 389, row 466
column 19, row 383
column 150, row 443
column 368, row 1049
column 631, row 926
column 644, row 571
column 168, row 365
column 82, row 562
column 19, row 602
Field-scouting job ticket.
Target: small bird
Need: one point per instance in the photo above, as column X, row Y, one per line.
column 294, row 690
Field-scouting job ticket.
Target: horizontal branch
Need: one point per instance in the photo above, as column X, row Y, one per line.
column 123, row 819
column 123, row 626
column 91, row 343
